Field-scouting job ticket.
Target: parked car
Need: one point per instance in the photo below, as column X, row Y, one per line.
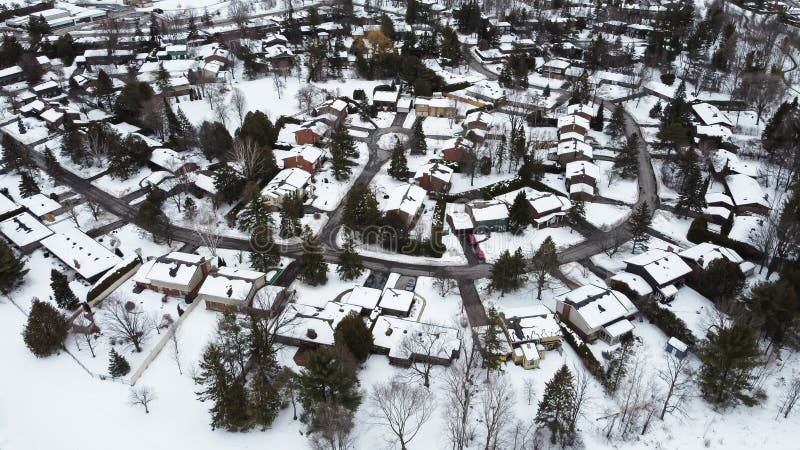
column 370, row 280
column 480, row 255
column 471, row 239
column 411, row 284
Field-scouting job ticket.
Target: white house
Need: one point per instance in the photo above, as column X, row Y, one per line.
column 597, row 312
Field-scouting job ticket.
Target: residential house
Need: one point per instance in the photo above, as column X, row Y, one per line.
column 546, row 209
column 718, row 209
column 436, row 106
column 477, row 125
column 396, row 302
column 311, row 132
column 306, row 157
column 386, row 99
column 333, row 112
column 292, row 181
column 312, row 327
column 434, row 177
column 231, row 289
column 80, row 253
column 702, row 255
column 406, row 201
column 454, row 149
column 634, row 283
column 748, row 196
column 24, row 231
column 579, row 109
column 664, row 270
column 573, row 150
column 46, row 89
column 711, row 115
column 724, row 163
column 530, row 331
column 405, row 341
column 176, row 274
column 581, row 179
column 9, row 208
column 41, row 206
column 597, row 312
column 487, row 215
column 365, row 298
column 572, row 124
column 11, row 75
column 555, row 68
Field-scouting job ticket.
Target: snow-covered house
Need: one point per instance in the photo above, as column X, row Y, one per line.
column 718, row 209
column 747, row 195
column 434, row 177
column 231, row 289
column 572, row 124
column 24, row 231
column 405, row 341
column 546, row 209
column 476, row 125
column 711, row 115
column 406, row 201
column 579, row 109
column 530, row 331
column 176, row 274
column 80, row 253
column 333, row 111
column 40, row 205
column 396, row 302
column 287, row 182
column 306, row 157
column 581, row 179
column 365, row 298
column 664, row 270
column 311, row 132
column 487, row 215
column 8, row 207
column 597, row 312
column 310, row 326
column 724, row 163
column 386, row 99
column 436, row 106
column 555, row 68
column 702, row 255
column 573, row 150
column 634, row 283
column 454, row 149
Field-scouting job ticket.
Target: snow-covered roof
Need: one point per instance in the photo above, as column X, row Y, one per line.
column 10, row 71
column 218, row 285
column 390, row 332
column 39, row 204
column 719, row 197
column 386, row 96
column 531, row 323
column 477, row 117
column 286, row 182
column 573, row 119
column 489, row 211
column 557, row 63
column 599, row 306
column 744, row 190
column 205, row 182
column 634, row 282
column 406, row 198
column 541, row 202
column 237, row 272
column 663, row 266
column 364, row 297
column 580, row 108
column 677, row 344
column 24, row 229
column 80, row 252
column 574, row 146
column 486, row 88
column 435, row 170
column 577, row 168
column 167, row 158
column 51, row 115
column 460, row 221
column 396, row 299
column 710, row 114
column 706, row 252
column 619, row 328
column 578, row 188
column 719, row 131
column 189, row 258
column 7, row 205
column 723, row 158
column 572, row 136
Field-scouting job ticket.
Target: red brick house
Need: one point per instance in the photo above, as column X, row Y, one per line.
column 175, row 274
column 454, row 149
column 311, row 132
column 434, row 177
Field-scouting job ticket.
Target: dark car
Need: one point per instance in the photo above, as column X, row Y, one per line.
column 471, row 239
column 370, row 281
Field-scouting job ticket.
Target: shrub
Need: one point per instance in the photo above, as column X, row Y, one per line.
column 698, row 232
column 668, row 78
column 110, row 279
column 585, row 354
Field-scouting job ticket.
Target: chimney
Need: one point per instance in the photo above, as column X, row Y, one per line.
column 389, row 331
column 76, row 264
column 311, row 334
column 230, row 291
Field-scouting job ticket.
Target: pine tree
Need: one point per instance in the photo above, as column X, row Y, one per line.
column 191, row 27
column 505, row 274
column 291, row 212
column 340, row 166
column 638, row 225
column 616, row 126
column 577, row 214
column 419, row 146
column 189, row 208
column 11, row 152
column 50, row 161
column 692, row 195
column 46, row 329
column 350, row 264
column 265, row 254
column 62, row 293
column 312, row 269
column 255, row 213
column 546, row 91
column 329, row 376
column 450, row 49
column 618, row 365
column 728, row 356
column 519, row 215
column 263, row 397
column 398, row 167
column 361, row 208
column 597, row 123
column 556, row 406
column 655, row 111
column 28, row 185
column 352, row 333
column 117, row 364
column 12, row 269
column 104, row 88
column 21, row 126
column 223, row 388
column 493, row 343
column 545, row 260
column 627, row 162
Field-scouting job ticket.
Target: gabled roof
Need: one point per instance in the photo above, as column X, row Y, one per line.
column 663, row 266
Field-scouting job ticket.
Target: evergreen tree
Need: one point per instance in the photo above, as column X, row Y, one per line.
column 265, row 254
column 329, row 376
column 223, row 388
column 506, row 273
column 774, row 305
column 450, row 48
column 638, row 224
column 12, row 269
column 493, row 343
column 655, row 111
column 255, row 213
column 189, row 208
column 618, row 365
column 21, row 126
column 577, row 214
column 352, row 333
column 263, row 397
column 728, row 356
column 361, row 208
column 556, row 406
column 291, row 213
column 104, row 88
column 616, row 126
column 340, row 166
column 627, row 162
column 692, row 195
column 228, row 183
column 519, row 214
column 46, row 329
column 545, row 260
column 256, row 125
column 28, row 185
column 597, row 123
column 419, row 146
column 350, row 265
column 150, row 213
column 312, row 269
column 721, row 281
column 191, row 27
column 398, row 167
column 546, row 91
column 117, row 364
column 50, row 161
column 62, row 293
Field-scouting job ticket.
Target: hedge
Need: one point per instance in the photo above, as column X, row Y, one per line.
column 584, row 353
column 456, row 86
column 110, row 279
column 698, row 232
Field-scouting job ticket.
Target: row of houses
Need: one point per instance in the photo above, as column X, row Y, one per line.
column 574, row 154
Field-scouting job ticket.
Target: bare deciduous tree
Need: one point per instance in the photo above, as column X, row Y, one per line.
column 790, row 397
column 424, row 344
column 460, row 388
column 207, row 229
column 142, row 395
column 175, row 346
column 239, row 103
column 248, row 156
column 125, row 323
column 402, row 408
column 239, row 11
column 496, row 410
column 444, row 286
column 218, row 102
column 332, row 428
column 676, row 377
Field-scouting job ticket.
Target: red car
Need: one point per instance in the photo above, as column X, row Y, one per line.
column 471, row 239
column 480, row 255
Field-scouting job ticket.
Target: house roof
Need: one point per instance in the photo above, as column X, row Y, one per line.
column 488, row 211
column 577, row 168
column 744, row 190
column 573, row 119
column 663, row 266
column 390, row 332
column 286, row 182
column 435, row 170
column 599, row 306
column 80, row 252
column 406, row 198
column 218, row 285
column 634, row 282
column 396, row 299
column 39, row 204
column 574, row 146
column 24, row 229
column 7, row 205
column 706, row 252
column 710, row 114
column 365, row 297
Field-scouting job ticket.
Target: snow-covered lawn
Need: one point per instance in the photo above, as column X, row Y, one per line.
column 640, row 108
column 626, row 191
column 121, row 188
column 440, row 126
column 673, row 226
column 529, row 241
column 328, row 192
column 605, row 216
column 697, row 311
column 318, row 296
column 389, row 140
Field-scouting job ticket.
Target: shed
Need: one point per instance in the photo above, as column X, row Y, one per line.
column 676, row 347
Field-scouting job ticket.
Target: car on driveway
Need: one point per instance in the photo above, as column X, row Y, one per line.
column 480, row 255
column 471, row 239
column 411, row 284
column 370, row 280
